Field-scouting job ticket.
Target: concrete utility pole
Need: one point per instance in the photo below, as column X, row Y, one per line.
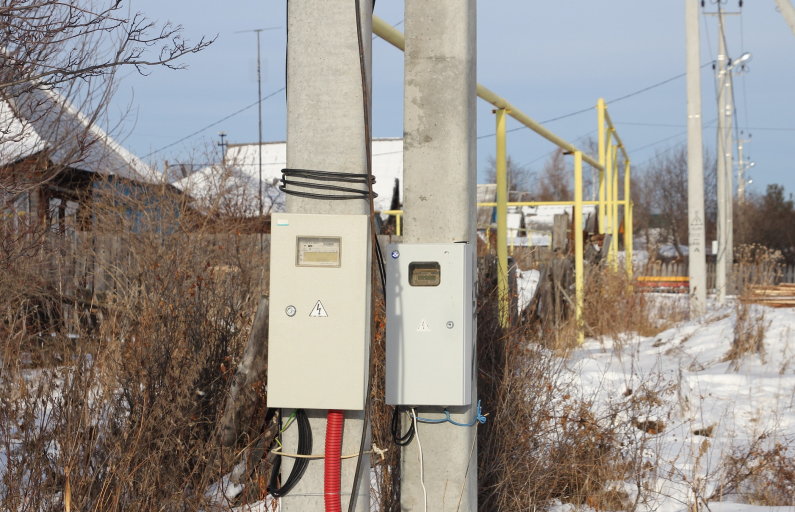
column 723, row 148
column 695, row 165
column 325, row 131
column 440, row 176
column 788, row 12
column 729, row 148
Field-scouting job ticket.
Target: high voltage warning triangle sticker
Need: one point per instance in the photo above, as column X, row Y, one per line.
column 423, row 326
column 318, row 310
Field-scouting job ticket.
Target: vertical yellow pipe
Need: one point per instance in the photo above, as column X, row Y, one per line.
column 578, row 246
column 608, row 223
column 600, row 109
column 628, row 219
column 614, row 211
column 502, row 222
column 513, row 235
column 398, row 224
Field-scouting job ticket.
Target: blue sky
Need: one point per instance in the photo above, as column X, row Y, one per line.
column 547, row 58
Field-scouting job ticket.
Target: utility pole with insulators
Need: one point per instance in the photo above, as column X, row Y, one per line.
column 440, row 182
column 725, row 171
column 697, row 267
column 742, row 166
column 723, row 261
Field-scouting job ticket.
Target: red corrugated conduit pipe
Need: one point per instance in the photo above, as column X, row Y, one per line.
column 331, row 485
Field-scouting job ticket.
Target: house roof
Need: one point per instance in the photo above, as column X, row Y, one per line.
column 42, row 119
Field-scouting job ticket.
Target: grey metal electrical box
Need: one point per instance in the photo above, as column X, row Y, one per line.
column 430, row 310
column 319, row 311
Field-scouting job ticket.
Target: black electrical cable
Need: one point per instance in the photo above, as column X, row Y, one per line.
column 321, row 176
column 376, row 252
column 299, row 468
column 405, row 439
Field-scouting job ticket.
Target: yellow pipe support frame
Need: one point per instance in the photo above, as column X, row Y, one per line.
column 600, row 109
column 627, row 220
column 394, row 37
column 502, row 222
column 578, row 247
column 399, row 224
column 615, row 134
column 615, row 208
column 542, row 203
column 608, row 192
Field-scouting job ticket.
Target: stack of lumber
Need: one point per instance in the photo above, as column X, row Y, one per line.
column 779, row 296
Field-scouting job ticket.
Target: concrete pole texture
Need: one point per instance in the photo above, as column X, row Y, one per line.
column 440, row 184
column 720, row 266
column 729, row 174
column 695, row 165
column 325, row 131
column 788, row 12
column 741, row 167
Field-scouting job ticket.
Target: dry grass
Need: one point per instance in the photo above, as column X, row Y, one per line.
column 545, row 441
column 756, row 266
column 121, row 410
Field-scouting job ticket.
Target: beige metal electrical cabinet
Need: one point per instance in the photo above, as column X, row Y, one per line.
column 430, row 309
column 319, row 310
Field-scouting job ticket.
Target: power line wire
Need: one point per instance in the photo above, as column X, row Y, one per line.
column 591, row 108
column 663, row 125
column 274, row 93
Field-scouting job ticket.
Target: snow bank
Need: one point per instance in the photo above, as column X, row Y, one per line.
column 735, row 405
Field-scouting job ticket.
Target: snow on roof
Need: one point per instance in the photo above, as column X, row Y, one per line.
column 487, row 193
column 18, row 139
column 50, row 121
column 230, row 190
column 244, row 158
column 543, row 217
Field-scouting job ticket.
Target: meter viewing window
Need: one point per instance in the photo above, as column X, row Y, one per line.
column 425, row 273
column 318, row 251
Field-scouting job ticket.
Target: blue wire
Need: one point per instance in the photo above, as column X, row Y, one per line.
column 479, row 418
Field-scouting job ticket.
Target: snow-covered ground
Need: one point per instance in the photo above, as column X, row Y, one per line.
column 705, row 407
column 700, row 392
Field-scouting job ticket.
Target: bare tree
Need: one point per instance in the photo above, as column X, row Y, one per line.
column 555, row 183
column 660, row 196
column 519, row 177
column 45, row 43
column 58, row 65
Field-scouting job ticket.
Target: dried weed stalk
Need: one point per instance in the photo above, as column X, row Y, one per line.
column 112, row 400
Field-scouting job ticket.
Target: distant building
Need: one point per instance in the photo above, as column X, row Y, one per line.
column 50, row 157
column 235, row 183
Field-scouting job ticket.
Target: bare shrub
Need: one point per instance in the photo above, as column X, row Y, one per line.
column 614, row 307
column 544, row 440
column 759, row 473
column 756, row 266
column 749, row 333
column 122, row 410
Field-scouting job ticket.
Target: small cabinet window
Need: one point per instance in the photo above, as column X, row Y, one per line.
column 425, row 273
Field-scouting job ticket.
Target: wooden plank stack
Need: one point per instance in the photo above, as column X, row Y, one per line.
column 779, row 296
